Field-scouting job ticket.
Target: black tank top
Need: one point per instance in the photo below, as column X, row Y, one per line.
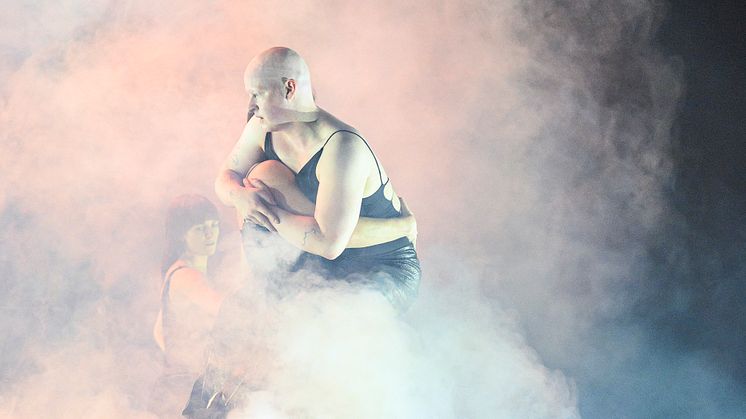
column 374, row 206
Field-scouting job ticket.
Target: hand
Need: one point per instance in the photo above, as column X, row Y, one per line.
column 254, row 203
column 407, row 213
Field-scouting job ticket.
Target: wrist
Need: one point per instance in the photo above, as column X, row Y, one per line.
column 235, row 194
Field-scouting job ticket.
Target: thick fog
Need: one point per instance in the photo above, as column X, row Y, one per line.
column 532, row 140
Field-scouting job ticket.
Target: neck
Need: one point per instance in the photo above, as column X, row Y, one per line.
column 198, row 262
column 301, row 126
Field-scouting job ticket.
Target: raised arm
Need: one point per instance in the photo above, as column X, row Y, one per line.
column 251, row 201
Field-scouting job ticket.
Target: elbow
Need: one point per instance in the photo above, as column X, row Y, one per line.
column 329, row 244
column 333, row 250
column 218, row 186
column 222, row 187
column 218, row 190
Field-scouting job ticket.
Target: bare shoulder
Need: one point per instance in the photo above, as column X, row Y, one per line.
column 337, row 133
column 186, row 279
column 344, row 147
column 345, row 144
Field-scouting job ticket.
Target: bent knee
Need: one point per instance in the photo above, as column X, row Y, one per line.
column 281, row 182
column 272, row 173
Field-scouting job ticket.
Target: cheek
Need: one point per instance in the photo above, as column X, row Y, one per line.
column 193, row 241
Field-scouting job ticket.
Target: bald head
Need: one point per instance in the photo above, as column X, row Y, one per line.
column 279, row 86
column 276, row 66
column 279, row 62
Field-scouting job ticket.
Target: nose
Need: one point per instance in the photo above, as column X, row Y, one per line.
column 252, row 105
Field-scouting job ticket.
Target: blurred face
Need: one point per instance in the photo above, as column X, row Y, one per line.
column 202, row 239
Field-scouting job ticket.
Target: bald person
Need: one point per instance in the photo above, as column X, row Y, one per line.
column 302, row 173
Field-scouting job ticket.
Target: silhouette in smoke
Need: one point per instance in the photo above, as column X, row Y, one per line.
column 313, row 179
column 189, row 299
column 338, row 208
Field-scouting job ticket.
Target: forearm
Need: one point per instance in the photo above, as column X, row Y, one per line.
column 227, row 184
column 372, row 231
column 304, row 233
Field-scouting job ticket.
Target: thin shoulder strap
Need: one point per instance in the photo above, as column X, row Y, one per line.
column 167, row 282
column 268, row 148
column 380, row 176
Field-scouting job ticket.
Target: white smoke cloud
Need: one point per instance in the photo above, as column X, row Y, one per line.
column 531, row 139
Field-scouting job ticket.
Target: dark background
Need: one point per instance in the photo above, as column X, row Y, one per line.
column 709, row 188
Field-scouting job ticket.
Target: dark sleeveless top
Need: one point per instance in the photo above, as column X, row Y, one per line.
column 391, row 267
column 373, row 206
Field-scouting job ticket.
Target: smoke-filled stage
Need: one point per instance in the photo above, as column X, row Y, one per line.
column 434, row 209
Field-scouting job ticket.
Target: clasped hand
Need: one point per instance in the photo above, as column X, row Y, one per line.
column 256, row 204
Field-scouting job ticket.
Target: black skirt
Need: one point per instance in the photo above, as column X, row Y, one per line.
column 391, row 268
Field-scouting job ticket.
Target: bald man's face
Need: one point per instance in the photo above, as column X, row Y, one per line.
column 266, row 99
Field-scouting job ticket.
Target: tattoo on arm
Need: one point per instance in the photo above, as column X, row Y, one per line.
column 312, row 231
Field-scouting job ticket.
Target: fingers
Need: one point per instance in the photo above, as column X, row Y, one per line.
column 413, row 238
column 262, row 220
column 264, row 215
column 270, row 213
column 266, row 196
column 257, row 218
column 263, row 190
column 267, row 211
column 259, row 204
column 257, row 221
column 250, row 219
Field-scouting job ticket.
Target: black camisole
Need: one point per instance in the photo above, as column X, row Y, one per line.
column 374, row 206
column 391, row 267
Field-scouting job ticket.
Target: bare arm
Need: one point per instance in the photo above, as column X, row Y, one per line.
column 367, row 232
column 251, row 202
column 372, row 231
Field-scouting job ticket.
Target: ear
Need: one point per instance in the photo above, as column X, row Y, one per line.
column 290, row 86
